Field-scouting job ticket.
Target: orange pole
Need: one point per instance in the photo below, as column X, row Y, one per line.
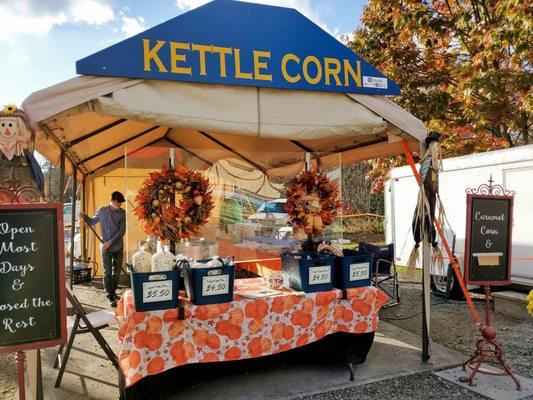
column 455, row 266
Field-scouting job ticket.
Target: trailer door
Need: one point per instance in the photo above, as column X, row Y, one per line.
column 519, row 180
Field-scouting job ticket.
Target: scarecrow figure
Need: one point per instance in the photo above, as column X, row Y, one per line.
column 427, row 201
column 16, row 157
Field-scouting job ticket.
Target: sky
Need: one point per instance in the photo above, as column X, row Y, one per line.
column 40, row 40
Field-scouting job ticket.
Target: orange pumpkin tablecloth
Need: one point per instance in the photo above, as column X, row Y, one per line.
column 155, row 341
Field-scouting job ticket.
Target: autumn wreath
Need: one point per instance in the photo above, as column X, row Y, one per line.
column 191, row 208
column 312, row 201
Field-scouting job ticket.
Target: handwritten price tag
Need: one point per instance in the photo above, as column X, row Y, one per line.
column 213, row 285
column 359, row 272
column 319, row 275
column 157, row 291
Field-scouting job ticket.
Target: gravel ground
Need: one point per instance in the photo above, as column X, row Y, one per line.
column 413, row 387
column 8, row 376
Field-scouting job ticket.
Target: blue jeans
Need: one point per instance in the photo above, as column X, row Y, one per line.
column 112, row 263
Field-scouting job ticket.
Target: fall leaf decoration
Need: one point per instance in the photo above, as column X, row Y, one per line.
column 312, row 201
column 191, row 208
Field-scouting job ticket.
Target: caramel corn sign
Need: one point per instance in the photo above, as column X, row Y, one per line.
column 237, row 43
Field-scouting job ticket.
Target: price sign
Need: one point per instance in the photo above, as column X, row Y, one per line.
column 213, row 285
column 157, row 291
column 319, row 275
column 488, row 239
column 359, row 271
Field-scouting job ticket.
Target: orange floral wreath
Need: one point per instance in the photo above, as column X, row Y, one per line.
column 312, row 201
column 167, row 221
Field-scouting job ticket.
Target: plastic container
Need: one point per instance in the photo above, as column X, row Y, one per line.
column 209, row 285
column 155, row 290
column 352, row 270
column 308, row 272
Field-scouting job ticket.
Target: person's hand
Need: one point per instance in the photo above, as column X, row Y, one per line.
column 106, row 245
column 82, row 214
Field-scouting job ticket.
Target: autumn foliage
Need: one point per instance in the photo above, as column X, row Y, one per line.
column 464, row 68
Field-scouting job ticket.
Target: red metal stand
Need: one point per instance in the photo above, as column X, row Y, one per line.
column 21, row 357
column 488, row 351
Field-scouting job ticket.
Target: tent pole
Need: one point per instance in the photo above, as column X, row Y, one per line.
column 61, row 176
column 82, row 226
column 73, row 224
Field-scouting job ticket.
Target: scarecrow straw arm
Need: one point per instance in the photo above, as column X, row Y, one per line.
column 455, row 266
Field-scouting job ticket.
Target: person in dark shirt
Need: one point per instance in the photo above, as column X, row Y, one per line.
column 112, row 221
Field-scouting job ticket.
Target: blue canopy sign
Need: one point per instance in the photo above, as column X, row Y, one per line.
column 236, row 43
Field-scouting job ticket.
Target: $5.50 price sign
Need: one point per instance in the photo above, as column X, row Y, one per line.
column 359, row 271
column 157, row 291
column 319, row 275
column 213, row 285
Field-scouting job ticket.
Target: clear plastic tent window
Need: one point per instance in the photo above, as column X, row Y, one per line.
column 249, row 220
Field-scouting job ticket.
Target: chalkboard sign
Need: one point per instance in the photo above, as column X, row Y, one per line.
column 488, row 239
column 32, row 277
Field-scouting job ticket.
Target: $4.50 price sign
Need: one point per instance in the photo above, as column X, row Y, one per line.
column 319, row 275
column 213, row 285
column 157, row 291
column 359, row 271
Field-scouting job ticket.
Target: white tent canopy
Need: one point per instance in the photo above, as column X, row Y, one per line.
column 96, row 119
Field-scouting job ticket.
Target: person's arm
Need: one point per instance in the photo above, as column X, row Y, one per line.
column 121, row 230
column 92, row 221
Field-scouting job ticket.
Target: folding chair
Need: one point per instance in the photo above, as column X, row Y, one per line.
column 82, row 323
column 384, row 269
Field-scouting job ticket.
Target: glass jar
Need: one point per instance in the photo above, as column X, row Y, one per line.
column 163, row 260
column 274, row 279
column 142, row 259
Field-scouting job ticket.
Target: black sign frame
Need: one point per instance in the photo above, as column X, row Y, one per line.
column 471, row 266
column 59, row 290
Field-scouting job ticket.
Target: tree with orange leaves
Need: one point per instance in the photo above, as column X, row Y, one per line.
column 464, row 67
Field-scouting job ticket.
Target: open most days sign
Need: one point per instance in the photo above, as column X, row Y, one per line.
column 32, row 277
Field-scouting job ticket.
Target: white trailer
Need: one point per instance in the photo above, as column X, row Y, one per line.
column 511, row 168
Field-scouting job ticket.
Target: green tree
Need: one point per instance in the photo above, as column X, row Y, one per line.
column 464, row 67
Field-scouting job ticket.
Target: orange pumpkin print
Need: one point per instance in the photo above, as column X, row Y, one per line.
column 209, row 357
column 170, row 315
column 153, row 341
column 135, row 378
column 382, row 298
column 321, row 329
column 139, row 340
column 154, row 324
column 361, row 307
column 323, row 299
column 181, row 352
column 139, row 317
column 283, row 347
column 361, row 327
column 200, row 337
column 300, row 318
column 277, row 331
column 374, row 323
column 207, row 312
column 234, row 332
column 258, row 346
column 223, row 327
column 302, row 340
column 236, row 316
column 224, row 307
column 123, row 360
column 347, row 315
column 233, row 353
column 288, row 332
column 307, row 306
column 322, row 312
column 213, row 341
column 175, row 329
column 155, row 365
column 370, row 296
column 255, row 325
column 257, row 309
column 134, row 359
column 337, row 314
column 277, row 305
